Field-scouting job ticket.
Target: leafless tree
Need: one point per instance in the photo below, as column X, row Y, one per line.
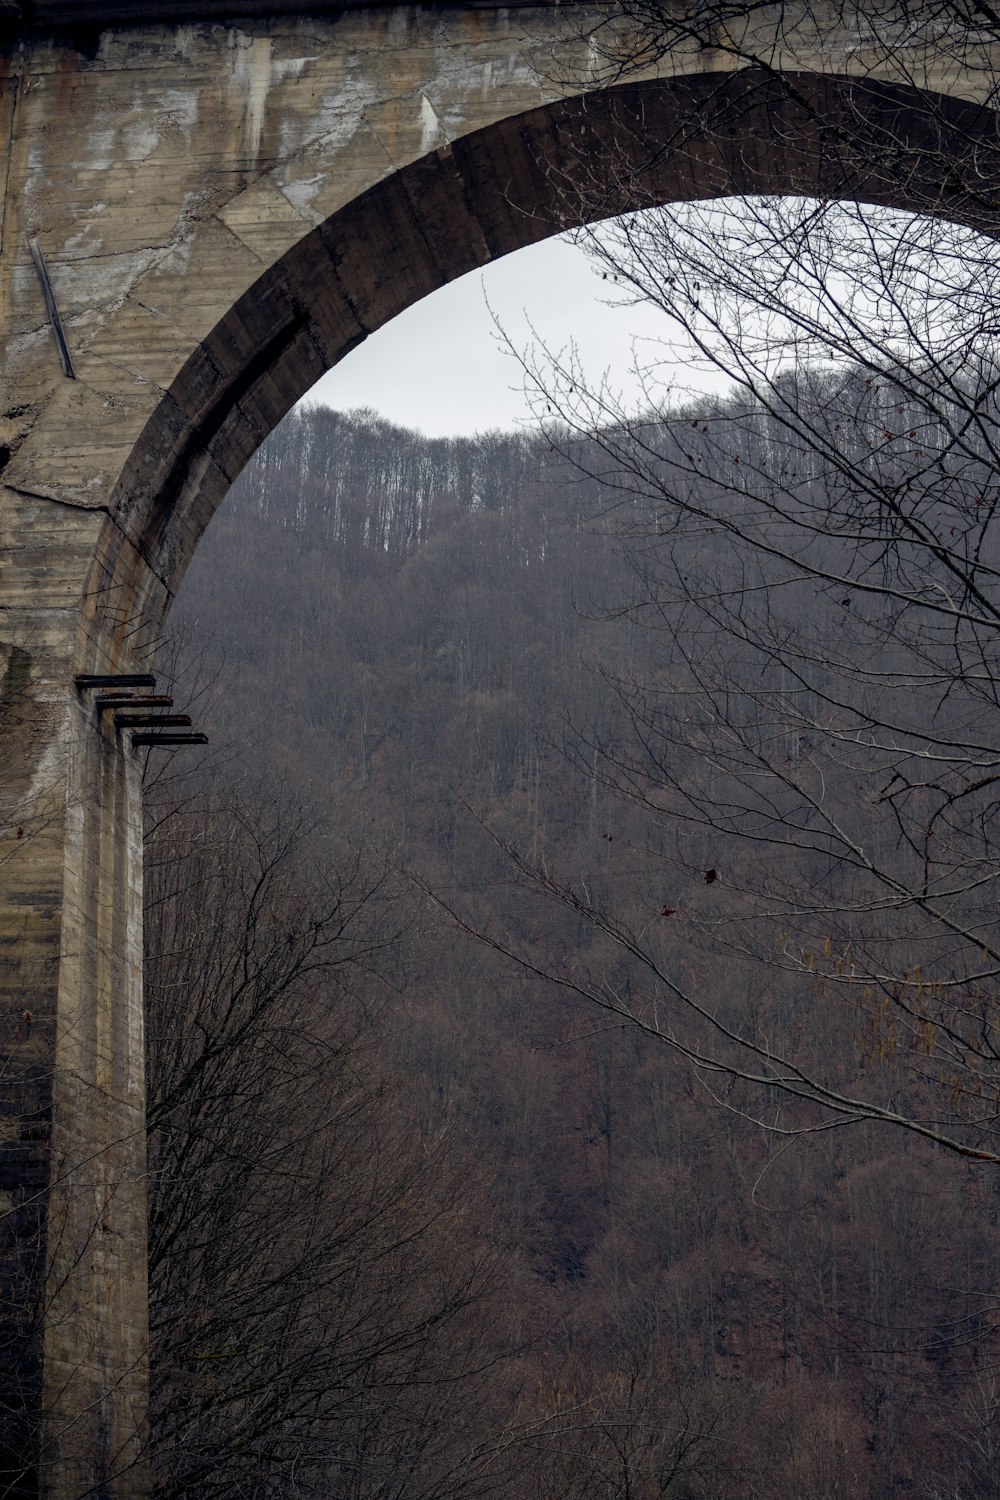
column 319, row 1286
column 809, row 779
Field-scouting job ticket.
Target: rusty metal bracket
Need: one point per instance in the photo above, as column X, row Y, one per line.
column 151, row 739
column 86, row 682
column 152, row 721
column 51, row 308
column 133, row 700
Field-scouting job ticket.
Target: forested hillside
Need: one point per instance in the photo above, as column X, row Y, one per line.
column 540, row 1254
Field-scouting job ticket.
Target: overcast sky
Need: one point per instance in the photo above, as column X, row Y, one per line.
column 441, row 367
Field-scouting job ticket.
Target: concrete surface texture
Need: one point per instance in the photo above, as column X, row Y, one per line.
column 224, row 209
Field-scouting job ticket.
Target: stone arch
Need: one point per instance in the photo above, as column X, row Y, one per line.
column 503, row 187
column 108, row 482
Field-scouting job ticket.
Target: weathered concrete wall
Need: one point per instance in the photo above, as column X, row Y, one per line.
column 227, row 209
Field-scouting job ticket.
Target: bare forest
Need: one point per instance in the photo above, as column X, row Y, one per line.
column 551, row 1095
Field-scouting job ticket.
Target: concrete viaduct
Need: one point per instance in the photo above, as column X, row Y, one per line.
column 215, row 202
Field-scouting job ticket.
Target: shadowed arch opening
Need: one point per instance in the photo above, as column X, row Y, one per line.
column 585, row 159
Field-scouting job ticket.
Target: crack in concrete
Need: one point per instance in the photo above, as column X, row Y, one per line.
column 86, row 256
column 380, row 142
column 239, row 240
column 27, row 493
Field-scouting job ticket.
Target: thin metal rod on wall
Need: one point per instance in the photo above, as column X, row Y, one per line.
column 51, row 308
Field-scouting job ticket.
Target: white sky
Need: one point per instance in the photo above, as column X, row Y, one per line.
column 440, row 366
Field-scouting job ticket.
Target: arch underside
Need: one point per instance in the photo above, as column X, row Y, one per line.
column 512, row 184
